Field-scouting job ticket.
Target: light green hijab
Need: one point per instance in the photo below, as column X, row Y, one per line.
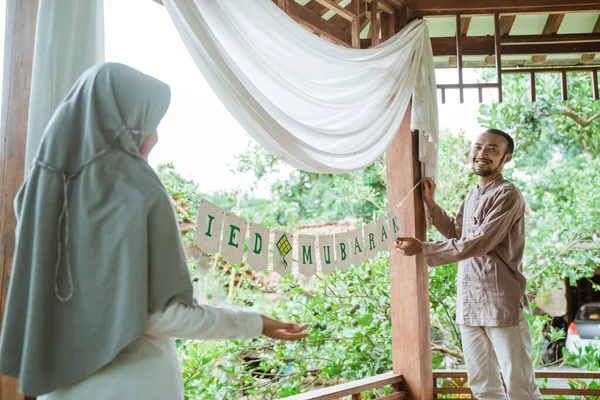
column 97, row 242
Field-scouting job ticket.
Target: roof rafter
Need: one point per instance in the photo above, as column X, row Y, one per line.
column 590, row 57
column 452, row 7
column 550, row 28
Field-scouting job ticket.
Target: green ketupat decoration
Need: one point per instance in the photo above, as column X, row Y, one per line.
column 284, row 246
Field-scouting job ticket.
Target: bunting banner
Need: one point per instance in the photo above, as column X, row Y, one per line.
column 234, row 239
column 307, row 259
column 209, row 227
column 343, row 254
column 286, row 252
column 258, row 247
column 326, row 254
column 282, row 253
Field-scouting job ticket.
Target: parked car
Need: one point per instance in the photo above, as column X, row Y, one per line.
column 585, row 328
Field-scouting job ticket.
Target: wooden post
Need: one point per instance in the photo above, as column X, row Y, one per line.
column 498, row 50
column 563, row 86
column 409, row 278
column 595, row 83
column 375, row 26
column 532, row 86
column 356, row 25
column 459, row 58
column 21, row 18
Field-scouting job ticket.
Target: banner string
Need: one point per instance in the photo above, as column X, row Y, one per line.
column 406, row 197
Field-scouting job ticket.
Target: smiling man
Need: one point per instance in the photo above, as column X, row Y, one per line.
column 487, row 239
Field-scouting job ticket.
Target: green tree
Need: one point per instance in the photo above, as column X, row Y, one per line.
column 557, row 166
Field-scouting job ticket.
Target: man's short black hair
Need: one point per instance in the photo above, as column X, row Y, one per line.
column 509, row 139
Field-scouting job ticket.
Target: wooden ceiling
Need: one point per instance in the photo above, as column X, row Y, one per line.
column 533, row 33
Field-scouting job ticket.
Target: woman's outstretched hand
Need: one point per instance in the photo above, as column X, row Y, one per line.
column 283, row 330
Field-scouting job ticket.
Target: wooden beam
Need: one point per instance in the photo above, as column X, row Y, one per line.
column 356, row 24
column 467, row 7
column 384, row 6
column 333, row 6
column 350, row 388
column 409, row 281
column 590, row 57
column 465, row 23
column 506, row 23
column 532, row 86
column 550, row 28
column 484, row 46
column 459, row 59
column 375, row 23
column 553, row 38
column 283, row 4
column 387, row 26
column 409, row 278
column 19, row 41
column 595, row 85
column 313, row 22
column 563, row 86
column 498, row 55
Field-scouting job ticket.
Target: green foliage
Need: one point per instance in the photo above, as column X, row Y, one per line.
column 303, row 197
column 349, row 313
column 585, row 357
column 556, row 165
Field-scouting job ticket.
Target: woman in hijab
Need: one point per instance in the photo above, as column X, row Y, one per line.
column 100, row 285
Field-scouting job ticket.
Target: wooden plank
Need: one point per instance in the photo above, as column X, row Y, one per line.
column 355, row 24
column 550, row 28
column 549, row 70
column 570, row 392
column 384, row 6
column 333, row 6
column 283, row 4
column 394, row 396
column 532, row 86
column 564, row 38
column 411, row 343
column 484, row 46
column 466, row 7
column 325, row 10
column 506, row 23
column 409, row 280
column 595, row 86
column 545, row 392
column 375, row 23
column 590, row 57
column 459, row 59
column 17, row 70
column 498, row 55
column 387, row 26
column 349, row 388
column 553, row 24
column 316, row 24
column 465, row 23
column 440, row 373
column 563, row 86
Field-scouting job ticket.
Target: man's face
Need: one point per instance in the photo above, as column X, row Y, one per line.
column 488, row 154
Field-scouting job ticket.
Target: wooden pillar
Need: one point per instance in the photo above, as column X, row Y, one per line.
column 498, row 52
column 19, row 41
column 409, row 279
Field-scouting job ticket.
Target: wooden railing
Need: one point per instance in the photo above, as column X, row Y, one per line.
column 355, row 388
column 449, row 383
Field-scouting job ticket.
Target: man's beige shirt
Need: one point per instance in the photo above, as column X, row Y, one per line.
column 487, row 239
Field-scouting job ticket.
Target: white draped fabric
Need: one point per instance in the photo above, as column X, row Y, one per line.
column 69, row 39
column 318, row 106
